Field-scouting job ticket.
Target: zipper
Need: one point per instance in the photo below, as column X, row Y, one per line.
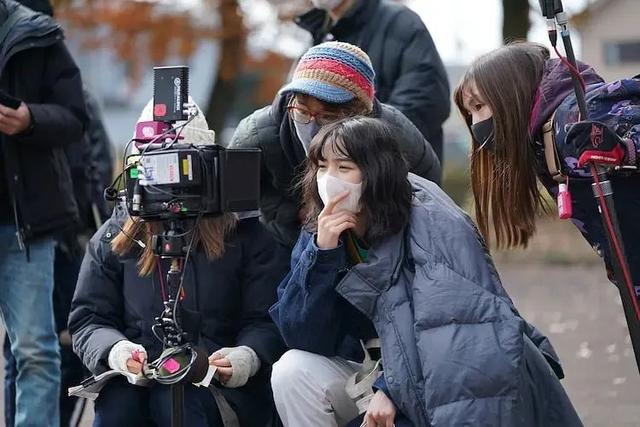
column 19, row 231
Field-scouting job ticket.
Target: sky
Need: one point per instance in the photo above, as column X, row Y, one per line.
column 464, row 29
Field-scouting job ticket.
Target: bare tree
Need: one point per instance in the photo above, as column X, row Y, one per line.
column 230, row 64
column 515, row 23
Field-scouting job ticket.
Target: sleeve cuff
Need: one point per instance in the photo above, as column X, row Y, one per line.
column 32, row 123
column 334, row 257
column 381, row 385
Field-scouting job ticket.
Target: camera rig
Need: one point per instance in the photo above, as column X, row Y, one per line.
column 175, row 181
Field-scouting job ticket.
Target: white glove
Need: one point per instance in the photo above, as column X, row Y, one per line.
column 244, row 361
column 123, row 351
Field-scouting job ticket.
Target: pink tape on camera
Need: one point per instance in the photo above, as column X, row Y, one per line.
column 171, row 365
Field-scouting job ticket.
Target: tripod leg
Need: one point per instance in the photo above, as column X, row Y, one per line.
column 177, row 402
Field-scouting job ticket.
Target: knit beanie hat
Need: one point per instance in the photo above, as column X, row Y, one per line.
column 336, row 73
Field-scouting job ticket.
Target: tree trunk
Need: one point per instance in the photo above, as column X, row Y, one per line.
column 515, row 24
column 232, row 52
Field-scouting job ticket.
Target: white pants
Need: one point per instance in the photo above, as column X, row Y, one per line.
column 309, row 390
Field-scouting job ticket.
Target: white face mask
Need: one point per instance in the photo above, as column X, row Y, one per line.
column 327, row 5
column 306, row 133
column 329, row 187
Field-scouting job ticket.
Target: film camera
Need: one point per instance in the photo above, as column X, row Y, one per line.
column 177, row 179
column 173, row 178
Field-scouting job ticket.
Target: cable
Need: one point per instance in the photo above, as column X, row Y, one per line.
column 159, row 363
column 178, row 128
column 184, row 269
column 617, row 247
column 162, row 288
column 572, row 69
column 124, row 155
column 189, row 120
column 133, row 239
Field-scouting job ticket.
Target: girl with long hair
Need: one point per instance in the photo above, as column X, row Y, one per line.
column 522, row 114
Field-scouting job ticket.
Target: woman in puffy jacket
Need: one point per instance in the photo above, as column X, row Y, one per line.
column 386, row 256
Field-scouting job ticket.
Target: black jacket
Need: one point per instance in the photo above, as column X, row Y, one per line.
column 409, row 72
column 229, row 298
column 91, row 164
column 36, row 67
column 270, row 129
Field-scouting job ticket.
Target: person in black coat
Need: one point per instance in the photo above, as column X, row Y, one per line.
column 409, row 72
column 332, row 81
column 229, row 284
column 91, row 165
column 230, row 274
column 42, row 111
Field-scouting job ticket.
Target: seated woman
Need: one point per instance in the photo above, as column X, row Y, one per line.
column 230, row 282
column 388, row 255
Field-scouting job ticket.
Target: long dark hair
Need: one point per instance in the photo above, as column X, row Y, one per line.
column 504, row 182
column 386, row 192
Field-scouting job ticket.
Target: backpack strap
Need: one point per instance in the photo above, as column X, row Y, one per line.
column 227, row 414
column 554, row 166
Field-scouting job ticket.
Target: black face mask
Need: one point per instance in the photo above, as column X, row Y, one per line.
column 484, row 134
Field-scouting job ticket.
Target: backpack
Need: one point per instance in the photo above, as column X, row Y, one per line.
column 616, row 104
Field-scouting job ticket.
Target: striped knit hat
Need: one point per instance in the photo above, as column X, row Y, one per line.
column 336, row 73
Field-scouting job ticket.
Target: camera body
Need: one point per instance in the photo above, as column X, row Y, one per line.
column 186, row 181
column 172, row 178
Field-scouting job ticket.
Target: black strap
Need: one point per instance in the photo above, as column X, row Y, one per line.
column 227, row 414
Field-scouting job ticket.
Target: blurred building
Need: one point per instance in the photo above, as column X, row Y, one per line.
column 610, row 36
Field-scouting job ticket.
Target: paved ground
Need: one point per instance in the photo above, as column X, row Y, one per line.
column 581, row 313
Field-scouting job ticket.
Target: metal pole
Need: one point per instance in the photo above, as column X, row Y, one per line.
column 603, row 191
column 177, row 390
column 177, row 402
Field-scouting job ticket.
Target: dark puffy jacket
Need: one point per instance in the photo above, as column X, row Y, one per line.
column 229, row 298
column 455, row 350
column 36, row 67
column 617, row 104
column 283, row 158
column 409, row 72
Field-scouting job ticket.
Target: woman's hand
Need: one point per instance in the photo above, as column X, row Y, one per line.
column 136, row 362
column 381, row 411
column 331, row 224
column 126, row 356
column 224, row 369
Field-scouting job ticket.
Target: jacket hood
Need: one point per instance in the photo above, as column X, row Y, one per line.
column 41, row 6
column 28, row 29
column 556, row 84
column 319, row 24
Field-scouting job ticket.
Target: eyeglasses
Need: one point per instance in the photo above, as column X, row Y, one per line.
column 304, row 116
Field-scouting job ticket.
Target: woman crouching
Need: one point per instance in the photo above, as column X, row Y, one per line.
column 387, row 257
